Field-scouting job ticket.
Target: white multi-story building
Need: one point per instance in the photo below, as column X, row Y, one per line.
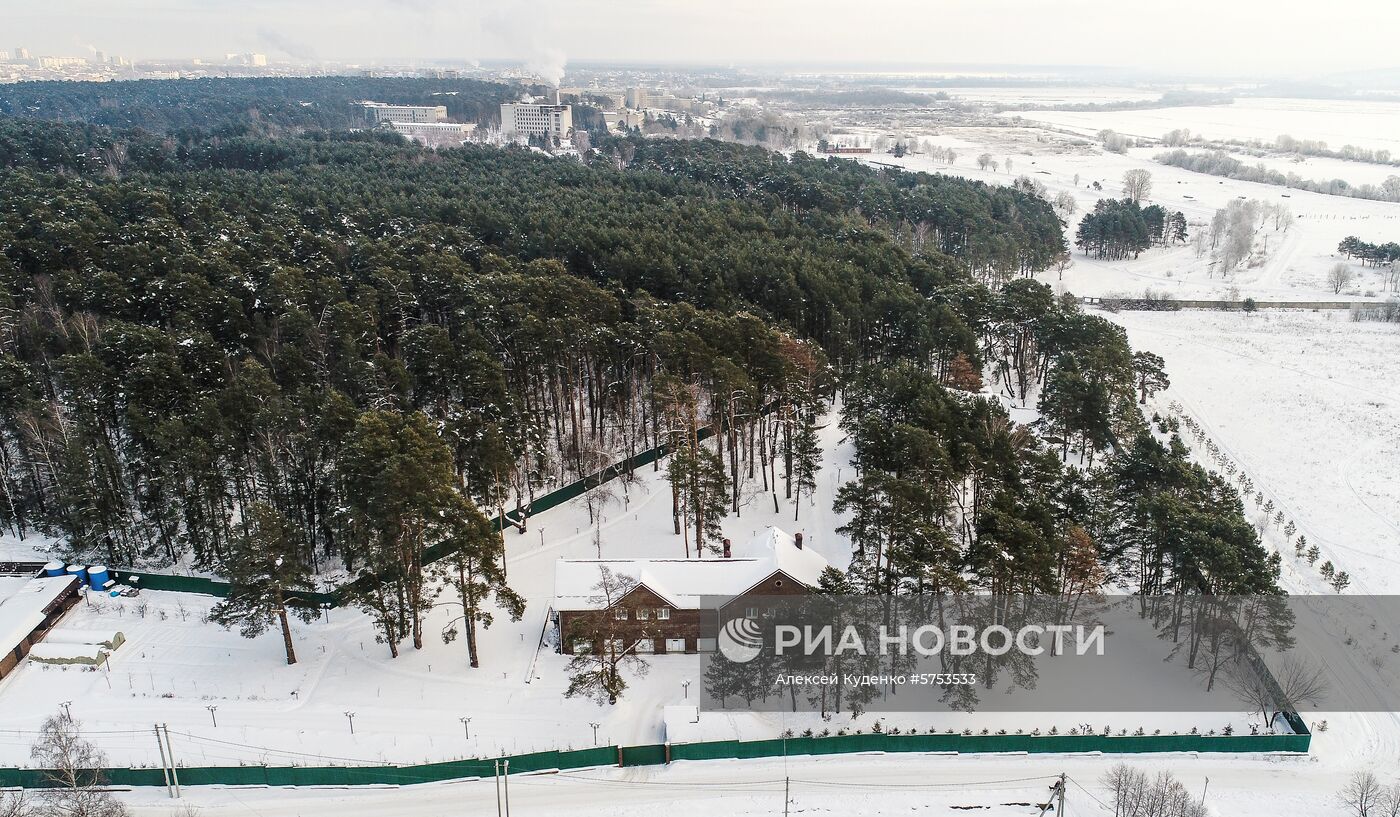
column 537, row 120
column 377, row 112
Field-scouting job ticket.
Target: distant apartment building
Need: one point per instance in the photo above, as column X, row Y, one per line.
column 22, row 53
column 377, row 112
column 624, row 120
column 537, row 120
column 637, row 98
column 4, row 56
column 61, row 62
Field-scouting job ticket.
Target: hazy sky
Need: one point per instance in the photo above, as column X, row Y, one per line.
column 1253, row 37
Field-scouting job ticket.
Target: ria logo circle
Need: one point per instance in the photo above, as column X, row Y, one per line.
column 740, row 640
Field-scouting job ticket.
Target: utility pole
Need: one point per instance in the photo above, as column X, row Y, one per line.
column 1204, row 789
column 174, row 772
column 1057, row 793
column 787, row 794
column 505, row 783
column 496, row 782
column 164, row 764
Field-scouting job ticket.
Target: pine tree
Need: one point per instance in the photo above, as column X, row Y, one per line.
column 264, row 567
column 1327, row 570
column 806, row 458
column 475, row 567
column 1151, row 372
column 1313, row 554
column 1341, row 581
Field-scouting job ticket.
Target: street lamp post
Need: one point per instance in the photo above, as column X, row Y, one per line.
column 595, row 733
column 466, row 726
column 212, row 709
column 685, row 686
column 351, row 717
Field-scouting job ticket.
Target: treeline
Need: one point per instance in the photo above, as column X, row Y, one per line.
column 1375, row 255
column 247, row 105
column 953, row 495
column 1120, row 229
column 1219, row 163
column 997, row 232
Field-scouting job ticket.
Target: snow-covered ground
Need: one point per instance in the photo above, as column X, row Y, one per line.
column 1292, row 265
column 1366, row 124
column 1306, row 404
column 859, row 786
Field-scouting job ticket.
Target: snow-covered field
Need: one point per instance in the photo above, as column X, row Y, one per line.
column 1294, row 263
column 1306, row 404
column 1368, row 124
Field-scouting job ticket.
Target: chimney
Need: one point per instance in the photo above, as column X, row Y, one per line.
column 727, row 552
column 797, row 540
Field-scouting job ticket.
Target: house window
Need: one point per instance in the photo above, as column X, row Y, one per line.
column 643, row 613
column 646, row 645
column 663, row 613
column 620, row 614
column 750, row 612
column 582, row 646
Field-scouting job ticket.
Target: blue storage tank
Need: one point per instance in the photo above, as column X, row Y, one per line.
column 53, row 569
column 98, row 577
column 79, row 572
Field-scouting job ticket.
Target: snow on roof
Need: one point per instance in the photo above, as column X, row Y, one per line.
column 683, row 581
column 22, row 612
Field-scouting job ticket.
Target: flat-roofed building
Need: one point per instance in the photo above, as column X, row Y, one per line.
column 532, row 119
column 377, row 112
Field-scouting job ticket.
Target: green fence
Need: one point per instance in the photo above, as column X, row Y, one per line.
column 659, row 754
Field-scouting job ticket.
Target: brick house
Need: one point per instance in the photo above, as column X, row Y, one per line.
column 661, row 609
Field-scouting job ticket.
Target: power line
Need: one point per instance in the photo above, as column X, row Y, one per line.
column 1092, row 796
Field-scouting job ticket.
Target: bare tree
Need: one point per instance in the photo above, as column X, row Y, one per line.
column 1065, row 204
column 18, row 803
column 1363, row 793
column 1296, row 683
column 983, row 160
column 605, row 644
column 73, row 767
column 1134, row 794
column 1339, row 276
column 1137, row 184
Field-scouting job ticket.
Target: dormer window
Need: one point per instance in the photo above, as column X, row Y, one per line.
column 643, row 613
column 663, row 613
column 620, row 614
